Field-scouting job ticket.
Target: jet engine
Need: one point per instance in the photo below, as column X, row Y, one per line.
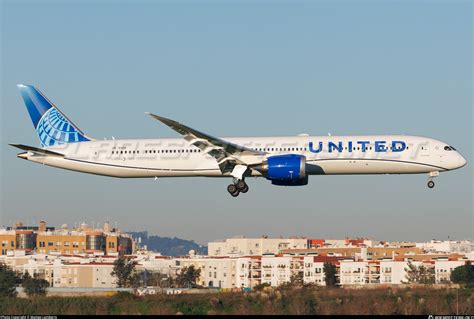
column 285, row 170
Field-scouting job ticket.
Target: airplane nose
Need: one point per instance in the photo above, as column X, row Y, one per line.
column 462, row 161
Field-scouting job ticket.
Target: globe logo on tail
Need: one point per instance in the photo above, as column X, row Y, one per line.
column 54, row 129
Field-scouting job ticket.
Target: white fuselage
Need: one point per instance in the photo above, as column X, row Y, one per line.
column 174, row 157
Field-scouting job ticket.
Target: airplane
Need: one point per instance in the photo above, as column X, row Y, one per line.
column 283, row 160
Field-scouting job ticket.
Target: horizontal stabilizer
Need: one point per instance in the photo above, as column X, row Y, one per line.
column 36, row 150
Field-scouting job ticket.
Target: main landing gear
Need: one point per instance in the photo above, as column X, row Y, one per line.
column 239, row 186
column 431, row 183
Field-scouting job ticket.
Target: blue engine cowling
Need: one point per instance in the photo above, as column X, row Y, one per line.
column 287, row 170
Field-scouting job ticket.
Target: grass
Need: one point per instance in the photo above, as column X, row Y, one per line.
column 419, row 301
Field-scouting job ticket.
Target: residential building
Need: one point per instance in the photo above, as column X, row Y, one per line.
column 254, row 246
column 48, row 240
column 447, row 246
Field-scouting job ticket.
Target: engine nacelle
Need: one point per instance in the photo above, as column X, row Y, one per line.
column 285, row 170
column 300, row 182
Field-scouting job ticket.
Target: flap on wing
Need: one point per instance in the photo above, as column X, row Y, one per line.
column 36, row 150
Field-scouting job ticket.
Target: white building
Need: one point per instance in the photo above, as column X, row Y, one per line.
column 156, row 263
column 215, row 272
column 254, row 246
column 276, row 270
column 393, row 272
column 313, row 271
column 443, row 269
column 352, row 272
column 248, row 271
column 448, row 246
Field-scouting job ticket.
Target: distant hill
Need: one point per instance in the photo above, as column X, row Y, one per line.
column 168, row 246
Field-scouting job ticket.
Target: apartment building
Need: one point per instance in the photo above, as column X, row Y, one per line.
column 248, row 271
column 48, row 240
column 447, row 246
column 83, row 275
column 443, row 269
column 254, row 246
column 393, row 271
column 215, row 272
column 314, row 268
column 65, row 271
column 352, row 272
column 365, row 253
column 17, row 239
column 276, row 270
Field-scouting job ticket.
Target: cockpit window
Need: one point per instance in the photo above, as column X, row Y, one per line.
column 449, row 148
column 453, row 148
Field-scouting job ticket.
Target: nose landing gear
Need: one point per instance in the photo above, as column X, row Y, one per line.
column 239, row 186
column 431, row 183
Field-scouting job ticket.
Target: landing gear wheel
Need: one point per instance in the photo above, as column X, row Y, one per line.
column 233, row 190
column 241, row 185
column 431, row 184
column 245, row 189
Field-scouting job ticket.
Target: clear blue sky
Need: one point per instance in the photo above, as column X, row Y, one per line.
column 243, row 69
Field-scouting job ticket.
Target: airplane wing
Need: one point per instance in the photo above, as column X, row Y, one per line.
column 226, row 153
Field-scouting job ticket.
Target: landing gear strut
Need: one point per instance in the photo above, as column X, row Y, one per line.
column 239, row 186
column 431, row 183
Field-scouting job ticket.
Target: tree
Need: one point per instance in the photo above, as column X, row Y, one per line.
column 419, row 275
column 296, row 280
column 34, row 286
column 124, row 270
column 463, row 274
column 188, row 277
column 8, row 281
column 330, row 274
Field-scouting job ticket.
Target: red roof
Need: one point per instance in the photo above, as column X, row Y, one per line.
column 328, row 259
column 354, row 242
column 316, row 242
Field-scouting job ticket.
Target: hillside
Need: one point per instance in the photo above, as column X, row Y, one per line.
column 168, row 246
